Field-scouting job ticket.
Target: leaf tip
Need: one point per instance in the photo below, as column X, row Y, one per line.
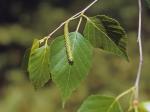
column 127, row 58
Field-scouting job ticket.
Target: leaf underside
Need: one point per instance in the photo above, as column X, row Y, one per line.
column 106, row 33
column 97, row 103
column 68, row 76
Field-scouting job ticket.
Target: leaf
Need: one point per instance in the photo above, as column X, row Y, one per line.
column 106, row 33
column 97, row 103
column 35, row 45
column 27, row 54
column 38, row 65
column 68, row 76
column 144, row 107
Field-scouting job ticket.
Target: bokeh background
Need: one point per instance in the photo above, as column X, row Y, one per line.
column 23, row 20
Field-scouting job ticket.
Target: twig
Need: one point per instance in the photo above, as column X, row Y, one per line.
column 120, row 96
column 140, row 53
column 125, row 93
column 89, row 5
column 77, row 15
column 62, row 24
column 79, row 24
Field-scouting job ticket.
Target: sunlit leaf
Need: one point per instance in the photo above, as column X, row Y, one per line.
column 68, row 76
column 107, row 34
column 97, row 103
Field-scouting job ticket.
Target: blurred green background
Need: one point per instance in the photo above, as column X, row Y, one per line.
column 23, row 20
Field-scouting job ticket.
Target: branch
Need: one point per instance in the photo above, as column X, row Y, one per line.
column 77, row 15
column 141, row 55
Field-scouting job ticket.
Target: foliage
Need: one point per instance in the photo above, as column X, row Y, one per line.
column 65, row 74
column 38, row 64
column 106, row 33
column 69, row 58
column 97, row 103
column 105, row 73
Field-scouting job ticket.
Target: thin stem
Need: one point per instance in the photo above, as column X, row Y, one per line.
column 79, row 24
column 77, row 15
column 140, row 53
column 120, row 96
column 62, row 24
column 130, row 102
column 89, row 5
column 86, row 17
column 136, row 109
column 125, row 93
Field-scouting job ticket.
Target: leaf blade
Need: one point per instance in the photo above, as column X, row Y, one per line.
column 38, row 65
column 98, row 103
column 107, row 34
column 68, row 76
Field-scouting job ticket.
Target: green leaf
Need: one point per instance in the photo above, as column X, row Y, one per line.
column 27, row 54
column 35, row 45
column 106, row 33
column 68, row 76
column 38, row 65
column 144, row 107
column 97, row 103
